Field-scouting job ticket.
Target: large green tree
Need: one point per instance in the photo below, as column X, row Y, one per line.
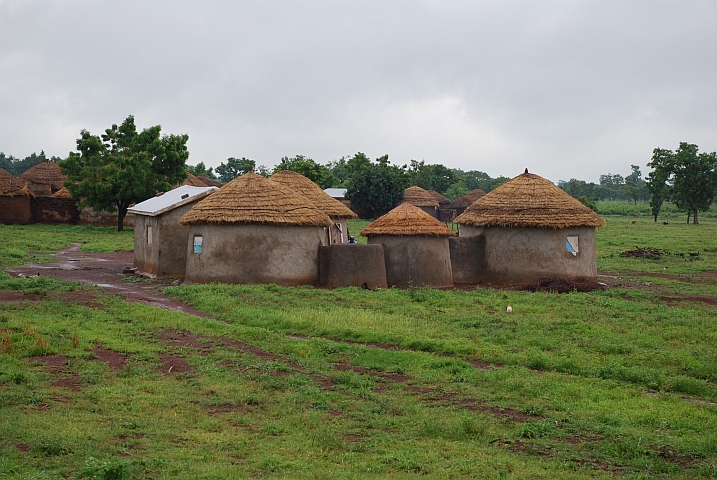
column 376, row 187
column 124, row 167
column 234, row 167
column 319, row 174
column 689, row 178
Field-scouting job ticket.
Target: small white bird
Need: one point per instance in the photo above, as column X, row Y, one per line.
column 509, row 309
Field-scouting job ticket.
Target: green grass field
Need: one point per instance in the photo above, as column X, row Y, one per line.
column 349, row 383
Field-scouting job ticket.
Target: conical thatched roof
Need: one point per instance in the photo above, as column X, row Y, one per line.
column 210, row 181
column 306, row 188
column 467, row 200
column 9, row 183
column 45, row 173
column 407, row 219
column 439, row 198
column 529, row 200
column 194, row 181
column 62, row 193
column 419, row 197
column 251, row 198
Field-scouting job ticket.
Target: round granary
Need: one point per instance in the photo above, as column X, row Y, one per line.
column 421, row 199
column 254, row 230
column 415, row 247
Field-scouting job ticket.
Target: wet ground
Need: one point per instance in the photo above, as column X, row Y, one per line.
column 110, row 271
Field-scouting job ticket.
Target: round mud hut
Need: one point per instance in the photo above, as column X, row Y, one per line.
column 533, row 230
column 443, row 201
column 337, row 211
column 415, row 247
column 15, row 199
column 45, row 178
column 422, row 199
column 460, row 204
column 254, row 230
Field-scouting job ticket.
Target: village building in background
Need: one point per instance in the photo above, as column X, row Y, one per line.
column 532, row 230
column 255, row 230
column 415, row 246
column 337, row 211
column 15, row 206
column 422, row 199
column 160, row 241
column 45, row 178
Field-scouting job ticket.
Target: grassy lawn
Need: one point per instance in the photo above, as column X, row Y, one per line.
column 350, row 383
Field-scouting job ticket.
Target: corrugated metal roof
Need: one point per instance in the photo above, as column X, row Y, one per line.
column 171, row 200
column 336, row 192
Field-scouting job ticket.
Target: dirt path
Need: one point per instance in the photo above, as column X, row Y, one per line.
column 106, row 270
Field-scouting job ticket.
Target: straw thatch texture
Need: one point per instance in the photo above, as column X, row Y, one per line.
column 467, row 200
column 439, row 198
column 407, row 219
column 529, row 200
column 251, row 198
column 318, row 198
column 62, row 193
column 210, row 181
column 10, row 185
column 419, row 197
column 45, row 173
column 194, row 181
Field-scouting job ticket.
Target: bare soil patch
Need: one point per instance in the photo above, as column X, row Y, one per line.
column 115, row 360
column 674, row 300
column 219, row 409
column 173, row 364
column 104, row 270
column 8, row 296
column 60, row 372
column 23, row 447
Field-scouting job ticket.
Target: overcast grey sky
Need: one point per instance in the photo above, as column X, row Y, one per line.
column 569, row 89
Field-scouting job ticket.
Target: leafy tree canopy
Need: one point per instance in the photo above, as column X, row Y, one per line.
column 201, row 170
column 234, row 167
column 319, row 174
column 377, row 186
column 124, row 167
column 686, row 177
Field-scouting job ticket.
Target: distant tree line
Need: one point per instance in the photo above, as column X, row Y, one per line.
column 632, row 188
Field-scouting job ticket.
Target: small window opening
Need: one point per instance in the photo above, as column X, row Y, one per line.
column 571, row 245
column 149, row 235
column 198, row 244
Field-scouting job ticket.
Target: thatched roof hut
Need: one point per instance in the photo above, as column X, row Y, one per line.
column 251, row 198
column 442, row 200
column 210, row 181
column 15, row 199
column 461, row 203
column 337, row 211
column 415, row 247
column 45, row 178
column 254, row 230
column 407, row 220
column 529, row 200
column 533, row 229
column 306, row 188
column 194, row 181
column 62, row 193
column 11, row 185
column 419, row 197
column 422, row 199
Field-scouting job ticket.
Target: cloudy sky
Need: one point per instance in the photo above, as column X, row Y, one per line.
column 568, row 89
